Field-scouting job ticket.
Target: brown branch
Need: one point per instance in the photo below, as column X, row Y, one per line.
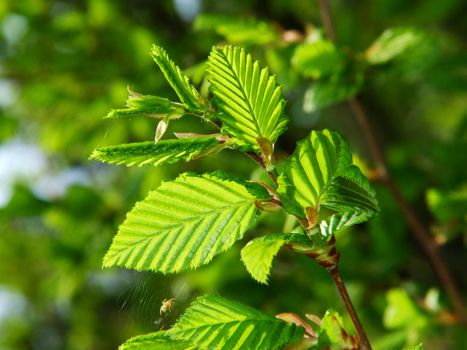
column 418, row 230
column 327, row 19
column 336, row 277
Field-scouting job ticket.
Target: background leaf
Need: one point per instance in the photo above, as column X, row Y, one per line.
column 183, row 224
column 238, row 30
column 213, row 322
column 317, row 59
column 326, row 92
column 249, row 97
column 393, row 43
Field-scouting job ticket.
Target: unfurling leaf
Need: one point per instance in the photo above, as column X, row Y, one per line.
column 186, row 92
column 337, row 222
column 184, row 223
column 213, row 322
column 148, row 106
column 248, row 96
column 163, row 152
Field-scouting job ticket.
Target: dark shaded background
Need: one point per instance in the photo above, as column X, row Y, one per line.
column 64, row 64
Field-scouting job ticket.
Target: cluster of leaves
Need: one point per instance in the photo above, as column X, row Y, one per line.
column 402, row 53
column 82, row 63
column 337, row 74
column 186, row 222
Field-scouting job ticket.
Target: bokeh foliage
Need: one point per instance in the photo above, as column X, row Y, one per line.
column 70, row 62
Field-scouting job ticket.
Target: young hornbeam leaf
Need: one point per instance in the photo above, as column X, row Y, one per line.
column 161, row 128
column 213, row 322
column 186, row 92
column 258, row 254
column 185, row 223
column 163, row 152
column 148, row 106
column 250, row 99
column 317, row 59
column 320, row 173
column 156, row 341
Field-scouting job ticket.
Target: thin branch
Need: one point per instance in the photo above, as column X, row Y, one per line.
column 327, row 19
column 418, row 230
column 336, row 277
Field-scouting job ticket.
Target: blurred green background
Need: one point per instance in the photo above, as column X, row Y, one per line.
column 65, row 64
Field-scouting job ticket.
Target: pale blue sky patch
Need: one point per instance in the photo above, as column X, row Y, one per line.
column 187, row 9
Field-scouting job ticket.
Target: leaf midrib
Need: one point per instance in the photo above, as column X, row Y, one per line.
column 193, row 219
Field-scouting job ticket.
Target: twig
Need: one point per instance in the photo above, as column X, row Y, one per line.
column 418, row 230
column 336, row 277
column 327, row 19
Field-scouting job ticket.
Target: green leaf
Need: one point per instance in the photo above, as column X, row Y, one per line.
column 324, row 93
column 333, row 334
column 258, row 254
column 448, row 206
column 337, row 222
column 213, row 322
column 250, row 99
column 148, row 106
column 155, row 341
column 163, row 152
column 238, row 30
column 317, row 59
column 394, row 43
column 320, row 173
column 183, row 224
column 186, row 92
column 402, row 312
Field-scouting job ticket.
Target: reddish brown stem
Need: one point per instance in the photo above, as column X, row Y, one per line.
column 336, row 277
column 418, row 230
